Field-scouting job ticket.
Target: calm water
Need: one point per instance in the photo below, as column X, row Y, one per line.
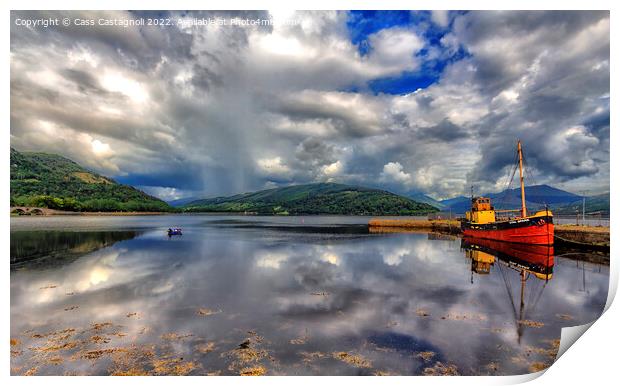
column 283, row 295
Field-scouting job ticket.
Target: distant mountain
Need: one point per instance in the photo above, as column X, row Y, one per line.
column 55, row 182
column 544, row 194
column 594, row 205
column 420, row 197
column 182, row 201
column 536, row 196
column 456, row 202
column 319, row 198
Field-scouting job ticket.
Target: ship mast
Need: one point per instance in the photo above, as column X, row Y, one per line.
column 523, row 208
column 521, row 306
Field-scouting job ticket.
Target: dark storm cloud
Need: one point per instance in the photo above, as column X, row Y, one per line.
column 546, row 87
column 540, row 107
column 315, row 151
column 344, row 300
column 135, row 47
column 205, row 78
column 23, row 89
column 598, row 121
column 444, row 131
column 317, row 275
column 504, row 42
column 84, row 81
column 347, row 122
column 212, row 111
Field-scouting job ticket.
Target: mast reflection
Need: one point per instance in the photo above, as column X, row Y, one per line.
column 527, row 260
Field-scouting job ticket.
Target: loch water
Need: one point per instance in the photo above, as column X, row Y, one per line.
column 314, row 295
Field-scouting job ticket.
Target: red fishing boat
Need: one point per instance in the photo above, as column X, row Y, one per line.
column 481, row 222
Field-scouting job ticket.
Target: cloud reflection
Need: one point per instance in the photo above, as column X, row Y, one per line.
column 379, row 297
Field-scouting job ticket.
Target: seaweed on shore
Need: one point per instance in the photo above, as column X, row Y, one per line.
column 352, row 359
column 248, row 357
column 441, row 369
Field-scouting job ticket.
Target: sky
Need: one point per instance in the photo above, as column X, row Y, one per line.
column 428, row 102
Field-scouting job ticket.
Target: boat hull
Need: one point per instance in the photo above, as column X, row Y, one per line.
column 530, row 230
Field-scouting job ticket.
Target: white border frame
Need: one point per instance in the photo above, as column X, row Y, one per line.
column 592, row 360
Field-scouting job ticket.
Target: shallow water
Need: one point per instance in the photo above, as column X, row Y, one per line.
column 282, row 295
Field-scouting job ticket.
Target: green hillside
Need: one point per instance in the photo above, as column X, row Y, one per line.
column 55, row 182
column 320, row 198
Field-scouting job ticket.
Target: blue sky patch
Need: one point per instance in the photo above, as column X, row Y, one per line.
column 362, row 24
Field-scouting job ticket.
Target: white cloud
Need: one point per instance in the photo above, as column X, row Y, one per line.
column 333, row 169
column 83, row 54
column 508, row 96
column 576, row 142
column 395, row 256
column 309, row 127
column 271, row 260
column 337, row 112
column 331, row 257
column 440, row 17
column 283, row 46
column 393, row 171
column 273, row 167
column 100, row 148
column 394, row 49
column 319, row 50
column 166, row 193
column 116, row 82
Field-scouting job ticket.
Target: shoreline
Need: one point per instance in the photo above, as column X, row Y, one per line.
column 35, row 212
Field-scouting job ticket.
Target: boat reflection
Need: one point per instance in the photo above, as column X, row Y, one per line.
column 526, row 259
column 533, row 259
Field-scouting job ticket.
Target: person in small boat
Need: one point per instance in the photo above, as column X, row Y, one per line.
column 174, row 231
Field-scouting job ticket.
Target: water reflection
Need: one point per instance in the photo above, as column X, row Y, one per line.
column 230, row 300
column 47, row 248
column 529, row 261
column 526, row 259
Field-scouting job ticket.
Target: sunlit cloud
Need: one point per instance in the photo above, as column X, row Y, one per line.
column 118, row 83
column 271, row 259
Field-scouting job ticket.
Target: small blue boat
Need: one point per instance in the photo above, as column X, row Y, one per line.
column 174, row 231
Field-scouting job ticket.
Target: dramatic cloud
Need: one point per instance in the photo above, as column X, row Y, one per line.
column 394, row 171
column 422, row 102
